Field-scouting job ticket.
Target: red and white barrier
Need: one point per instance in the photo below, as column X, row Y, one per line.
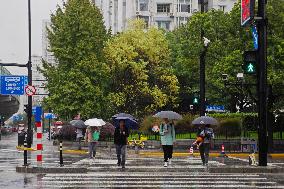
column 39, row 146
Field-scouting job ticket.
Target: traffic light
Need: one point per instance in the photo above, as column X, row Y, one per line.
column 195, row 100
column 250, row 66
column 26, row 108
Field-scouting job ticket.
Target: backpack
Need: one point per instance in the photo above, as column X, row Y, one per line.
column 96, row 135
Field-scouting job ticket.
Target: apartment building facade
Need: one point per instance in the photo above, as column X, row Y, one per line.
column 166, row 14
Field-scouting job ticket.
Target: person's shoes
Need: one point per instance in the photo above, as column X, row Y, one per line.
column 170, row 161
column 123, row 166
column 118, row 164
column 166, row 164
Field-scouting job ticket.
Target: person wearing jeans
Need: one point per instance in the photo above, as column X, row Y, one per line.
column 121, row 134
column 167, row 132
column 92, row 137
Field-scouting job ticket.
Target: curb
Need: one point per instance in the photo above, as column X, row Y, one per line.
column 21, row 148
column 185, row 154
column 229, row 169
column 23, row 169
column 75, row 152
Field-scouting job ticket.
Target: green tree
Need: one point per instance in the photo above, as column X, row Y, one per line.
column 225, row 53
column 142, row 80
column 78, row 83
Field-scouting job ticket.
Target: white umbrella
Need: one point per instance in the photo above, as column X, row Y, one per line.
column 95, row 122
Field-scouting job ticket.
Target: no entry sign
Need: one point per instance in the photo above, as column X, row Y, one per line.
column 30, row 90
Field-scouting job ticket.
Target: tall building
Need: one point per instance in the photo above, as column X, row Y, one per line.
column 38, row 80
column 46, row 54
column 166, row 14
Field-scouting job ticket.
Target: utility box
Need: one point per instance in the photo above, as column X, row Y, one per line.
column 249, row 145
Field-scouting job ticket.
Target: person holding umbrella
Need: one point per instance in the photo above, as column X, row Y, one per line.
column 92, row 136
column 121, row 134
column 207, row 134
column 167, row 132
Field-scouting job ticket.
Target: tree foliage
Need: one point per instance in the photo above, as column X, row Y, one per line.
column 141, row 78
column 77, row 36
column 224, row 55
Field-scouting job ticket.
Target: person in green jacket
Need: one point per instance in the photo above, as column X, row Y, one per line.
column 168, row 138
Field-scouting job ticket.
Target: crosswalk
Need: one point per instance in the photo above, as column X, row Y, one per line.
column 149, row 173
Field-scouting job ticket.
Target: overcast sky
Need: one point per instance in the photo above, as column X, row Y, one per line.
column 14, row 29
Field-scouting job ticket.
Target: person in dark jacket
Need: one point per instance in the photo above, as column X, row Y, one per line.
column 121, row 134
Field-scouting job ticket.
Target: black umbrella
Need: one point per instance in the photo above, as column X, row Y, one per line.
column 205, row 120
column 78, row 124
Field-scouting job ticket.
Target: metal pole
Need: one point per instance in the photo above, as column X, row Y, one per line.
column 202, row 71
column 25, row 152
column 49, row 125
column 262, row 83
column 60, row 155
column 30, row 132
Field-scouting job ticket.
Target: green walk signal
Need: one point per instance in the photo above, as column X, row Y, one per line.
column 249, row 67
column 195, row 100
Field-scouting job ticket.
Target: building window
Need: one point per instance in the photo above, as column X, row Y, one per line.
column 181, row 20
column 222, row 8
column 143, row 5
column 164, row 24
column 163, row 8
column 146, row 20
column 184, row 6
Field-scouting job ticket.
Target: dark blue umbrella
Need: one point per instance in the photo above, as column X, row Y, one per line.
column 129, row 123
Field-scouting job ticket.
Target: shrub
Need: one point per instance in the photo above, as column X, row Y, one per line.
column 184, row 125
column 148, row 122
column 230, row 127
column 67, row 132
column 107, row 131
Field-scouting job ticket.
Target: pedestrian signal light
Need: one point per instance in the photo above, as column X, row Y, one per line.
column 250, row 66
column 195, row 100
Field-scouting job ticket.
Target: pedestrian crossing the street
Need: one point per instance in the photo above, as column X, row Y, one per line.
column 149, row 173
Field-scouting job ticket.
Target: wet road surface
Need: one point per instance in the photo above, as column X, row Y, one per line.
column 140, row 172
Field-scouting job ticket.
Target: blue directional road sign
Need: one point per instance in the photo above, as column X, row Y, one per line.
column 255, row 37
column 215, row 108
column 13, row 84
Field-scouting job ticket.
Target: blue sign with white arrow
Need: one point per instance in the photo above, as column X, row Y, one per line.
column 255, row 37
column 13, row 84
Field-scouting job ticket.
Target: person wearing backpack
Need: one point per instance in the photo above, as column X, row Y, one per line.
column 92, row 137
column 168, row 138
column 207, row 134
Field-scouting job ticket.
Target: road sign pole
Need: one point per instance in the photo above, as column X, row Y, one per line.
column 30, row 132
column 262, row 83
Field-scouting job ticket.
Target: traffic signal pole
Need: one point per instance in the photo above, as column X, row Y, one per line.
column 29, row 65
column 262, row 82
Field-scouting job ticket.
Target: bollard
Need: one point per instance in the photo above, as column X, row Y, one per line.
column 60, row 155
column 223, row 154
column 25, row 152
column 191, row 151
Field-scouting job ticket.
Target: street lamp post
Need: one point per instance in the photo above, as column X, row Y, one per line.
column 29, row 65
column 202, row 71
